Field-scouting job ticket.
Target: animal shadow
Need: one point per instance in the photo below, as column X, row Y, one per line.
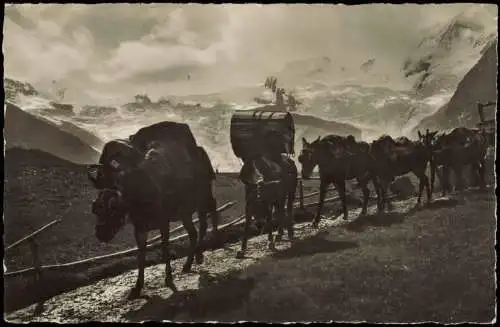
column 377, row 220
column 314, row 245
column 444, row 203
column 216, row 295
column 301, row 216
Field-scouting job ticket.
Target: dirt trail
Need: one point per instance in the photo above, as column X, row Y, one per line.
column 106, row 299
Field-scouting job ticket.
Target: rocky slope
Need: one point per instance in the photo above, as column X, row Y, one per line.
column 478, row 85
column 13, row 88
column 444, row 56
column 327, row 126
column 23, row 130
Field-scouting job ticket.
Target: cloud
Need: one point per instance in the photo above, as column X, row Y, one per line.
column 175, row 41
column 44, row 52
column 117, row 48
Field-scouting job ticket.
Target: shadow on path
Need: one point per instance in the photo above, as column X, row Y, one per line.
column 444, row 203
column 377, row 220
column 314, row 245
column 216, row 295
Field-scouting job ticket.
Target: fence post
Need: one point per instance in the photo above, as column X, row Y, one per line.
column 37, row 274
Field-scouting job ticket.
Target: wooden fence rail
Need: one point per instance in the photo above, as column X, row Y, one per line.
column 37, row 265
column 152, row 242
column 31, row 236
column 106, row 256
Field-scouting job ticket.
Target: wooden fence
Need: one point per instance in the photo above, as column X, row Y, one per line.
column 98, row 258
column 151, row 243
column 37, row 266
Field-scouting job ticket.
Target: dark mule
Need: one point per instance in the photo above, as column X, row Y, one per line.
column 269, row 185
column 339, row 159
column 168, row 184
column 429, row 141
column 461, row 147
column 399, row 157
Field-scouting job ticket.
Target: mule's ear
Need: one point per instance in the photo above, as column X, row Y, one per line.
column 304, row 141
column 319, row 137
column 419, row 134
column 92, row 172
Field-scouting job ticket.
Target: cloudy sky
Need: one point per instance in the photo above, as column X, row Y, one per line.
column 116, row 50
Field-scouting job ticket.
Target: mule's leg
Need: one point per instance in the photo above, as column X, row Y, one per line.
column 201, row 236
column 289, row 215
column 140, row 238
column 366, row 195
column 420, row 177
column 378, row 190
column 433, row 174
column 459, row 178
column 214, row 216
column 269, row 226
column 165, row 242
column 474, row 172
column 423, row 183
column 482, row 173
column 427, row 188
column 193, row 244
column 376, row 185
column 384, row 185
column 381, row 196
column 445, row 180
column 241, row 254
column 282, row 220
column 340, row 185
column 322, row 193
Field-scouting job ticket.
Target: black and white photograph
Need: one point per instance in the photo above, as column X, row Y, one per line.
column 251, row 162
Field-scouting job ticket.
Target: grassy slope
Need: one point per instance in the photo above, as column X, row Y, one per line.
column 434, row 265
column 40, row 191
column 430, row 265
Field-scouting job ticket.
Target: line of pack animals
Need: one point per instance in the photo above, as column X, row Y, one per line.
column 160, row 174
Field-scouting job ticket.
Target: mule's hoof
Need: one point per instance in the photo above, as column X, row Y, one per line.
column 346, row 217
column 134, row 293
column 186, row 269
column 315, row 225
column 215, row 240
column 170, row 284
column 271, row 246
column 199, row 259
column 240, row 255
column 279, row 238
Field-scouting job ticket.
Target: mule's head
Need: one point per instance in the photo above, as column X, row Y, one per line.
column 428, row 139
column 309, row 157
column 109, row 206
column 105, row 175
column 111, row 211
